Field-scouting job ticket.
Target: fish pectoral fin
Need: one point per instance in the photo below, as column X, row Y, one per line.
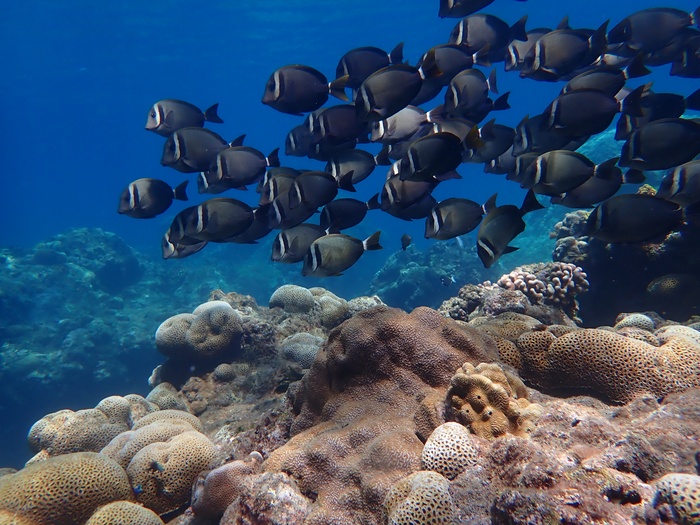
column 447, row 223
column 169, row 119
column 336, row 275
column 510, row 249
column 294, row 247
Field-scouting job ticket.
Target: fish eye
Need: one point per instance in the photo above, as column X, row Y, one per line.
column 153, row 114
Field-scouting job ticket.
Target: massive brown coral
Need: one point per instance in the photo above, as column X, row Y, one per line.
column 617, row 366
column 378, row 384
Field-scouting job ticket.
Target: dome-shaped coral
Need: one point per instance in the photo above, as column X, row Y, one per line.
column 216, row 331
column 682, row 493
column 63, row 490
column 169, row 415
column 165, row 396
column 293, row 299
column 449, row 450
column 302, row 348
column 423, row 498
column 635, row 321
column 123, row 512
column 171, row 336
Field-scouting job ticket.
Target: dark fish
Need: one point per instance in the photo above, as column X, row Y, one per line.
column 460, row 8
column 280, row 215
column 276, row 186
column 518, row 50
column 316, row 188
column 332, row 254
column 500, row 227
column 361, row 62
column 219, row 219
column 169, row 115
column 154, row 465
column 682, row 185
column 468, row 91
column 499, row 104
column 341, row 214
column 674, row 289
column 522, row 163
column 656, row 106
column 447, row 280
column 179, row 251
column 417, row 211
column 588, row 111
column 608, row 79
column 432, row 157
column 636, row 218
column 451, row 59
column 176, row 233
column 204, row 186
column 240, row 166
column 496, row 139
column 501, row 165
column 290, row 246
column 336, row 125
column 596, row 190
column 400, row 127
column 662, row 144
column 400, row 194
column 671, row 53
column 298, row 142
column 687, row 62
column 532, row 137
column 453, row 217
column 300, row 89
column 460, row 127
column 560, row 171
column 190, row 150
column 146, row 198
column 405, row 241
column 389, row 90
column 478, row 31
column 324, row 150
column 274, row 172
column 356, row 161
column 562, row 51
column 651, row 29
column 257, row 230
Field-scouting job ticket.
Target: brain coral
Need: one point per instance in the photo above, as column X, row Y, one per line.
column 293, row 299
column 617, row 366
column 162, row 473
column 423, row 498
column 169, row 415
column 491, row 402
column 334, row 310
column 166, row 397
column 224, row 372
column 449, row 450
column 215, row 490
column 171, row 335
column 215, row 331
column 682, row 493
column 302, row 348
column 63, row 490
column 636, row 321
column 124, row 447
column 379, row 384
column 88, row 430
column 123, row 512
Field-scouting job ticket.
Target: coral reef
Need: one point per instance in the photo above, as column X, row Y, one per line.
column 682, row 493
column 449, row 450
column 292, row 299
column 423, row 498
column 302, row 348
column 124, row 512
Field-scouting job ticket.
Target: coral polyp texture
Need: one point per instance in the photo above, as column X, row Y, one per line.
column 617, row 366
column 162, row 473
column 491, row 402
column 212, row 332
column 169, row 415
column 423, row 498
column 293, row 299
column 63, row 490
column 682, row 493
column 123, row 512
column 379, row 383
column 302, row 348
column 449, row 450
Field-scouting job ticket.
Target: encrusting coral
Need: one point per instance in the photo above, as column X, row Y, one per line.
column 490, row 402
column 63, row 490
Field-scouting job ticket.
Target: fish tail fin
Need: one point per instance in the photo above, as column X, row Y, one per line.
column 491, row 82
column 599, row 39
column 636, row 68
column 373, row 203
column 517, row 30
column 429, row 68
column 631, row 103
column 211, row 116
column 530, row 203
column 607, row 170
column 693, row 101
column 345, row 182
column 490, row 204
column 633, row 176
column 180, row 191
column 372, row 242
column 382, row 158
column 501, row 103
column 691, row 214
column 481, row 57
column 273, row 159
column 396, row 55
column 237, row 141
column 337, row 88
column 625, row 127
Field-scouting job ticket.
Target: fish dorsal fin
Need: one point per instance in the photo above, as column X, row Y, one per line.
column 237, row 142
column 564, row 24
column 490, row 204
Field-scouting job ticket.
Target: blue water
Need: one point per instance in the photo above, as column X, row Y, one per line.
column 77, row 79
